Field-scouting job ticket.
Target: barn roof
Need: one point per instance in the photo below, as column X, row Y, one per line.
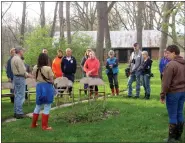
column 125, row 39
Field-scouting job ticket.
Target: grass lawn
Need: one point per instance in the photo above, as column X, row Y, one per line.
column 138, row 120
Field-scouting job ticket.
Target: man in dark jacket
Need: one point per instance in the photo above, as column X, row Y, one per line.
column 173, row 89
column 9, row 72
column 68, row 66
column 146, row 72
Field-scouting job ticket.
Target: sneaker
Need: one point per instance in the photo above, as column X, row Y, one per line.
column 136, row 97
column 20, row 116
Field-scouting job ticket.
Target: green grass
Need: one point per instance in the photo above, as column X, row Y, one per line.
column 138, row 121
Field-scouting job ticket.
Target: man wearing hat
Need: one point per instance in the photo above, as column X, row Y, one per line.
column 19, row 82
column 9, row 71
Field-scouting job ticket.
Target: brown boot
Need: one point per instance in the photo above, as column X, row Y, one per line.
column 179, row 131
column 45, row 118
column 34, row 120
column 112, row 90
column 117, row 91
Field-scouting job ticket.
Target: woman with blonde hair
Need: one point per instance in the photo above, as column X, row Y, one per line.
column 91, row 68
column 112, row 72
column 86, row 56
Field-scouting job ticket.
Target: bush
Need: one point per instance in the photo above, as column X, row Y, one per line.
column 89, row 113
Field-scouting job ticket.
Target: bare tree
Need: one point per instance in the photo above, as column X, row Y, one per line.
column 68, row 22
column 54, row 20
column 165, row 23
column 42, row 14
column 85, row 14
column 3, row 13
column 101, row 8
column 139, row 22
column 23, row 24
column 61, row 18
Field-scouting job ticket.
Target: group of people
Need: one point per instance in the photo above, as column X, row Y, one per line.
column 171, row 66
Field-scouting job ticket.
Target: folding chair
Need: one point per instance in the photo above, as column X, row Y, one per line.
column 31, row 83
column 84, row 80
column 97, row 82
column 62, row 85
column 4, row 86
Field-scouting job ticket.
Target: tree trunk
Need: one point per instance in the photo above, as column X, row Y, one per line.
column 42, row 15
column 54, row 21
column 107, row 31
column 174, row 34
column 68, row 22
column 165, row 24
column 23, row 24
column 151, row 16
column 100, row 33
column 61, row 17
column 139, row 22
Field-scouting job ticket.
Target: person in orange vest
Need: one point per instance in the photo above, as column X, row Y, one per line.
column 56, row 65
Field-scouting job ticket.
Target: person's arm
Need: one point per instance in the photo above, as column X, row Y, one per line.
column 54, row 67
column 62, row 65
column 51, row 75
column 166, row 81
column 86, row 66
column 107, row 65
column 160, row 66
column 8, row 69
column 116, row 63
column 75, row 66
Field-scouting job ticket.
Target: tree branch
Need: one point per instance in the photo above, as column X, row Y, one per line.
column 6, row 10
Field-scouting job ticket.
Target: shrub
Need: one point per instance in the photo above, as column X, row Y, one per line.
column 89, row 113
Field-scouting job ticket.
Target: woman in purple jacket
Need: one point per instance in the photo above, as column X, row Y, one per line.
column 163, row 62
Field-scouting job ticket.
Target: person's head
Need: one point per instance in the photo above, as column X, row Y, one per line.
column 19, row 51
column 68, row 52
column 92, row 55
column 165, row 55
column 145, row 54
column 172, row 51
column 136, row 46
column 111, row 53
column 12, row 51
column 87, row 52
column 59, row 53
column 43, row 60
column 45, row 51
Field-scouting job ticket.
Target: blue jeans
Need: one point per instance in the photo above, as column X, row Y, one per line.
column 146, row 83
column 175, row 104
column 47, row 108
column 134, row 77
column 19, row 93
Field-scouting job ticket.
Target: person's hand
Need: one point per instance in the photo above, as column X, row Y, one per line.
column 88, row 73
column 30, row 76
column 110, row 66
column 162, row 73
column 9, row 80
column 162, row 100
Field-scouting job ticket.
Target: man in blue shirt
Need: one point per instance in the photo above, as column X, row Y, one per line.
column 9, row 72
column 163, row 62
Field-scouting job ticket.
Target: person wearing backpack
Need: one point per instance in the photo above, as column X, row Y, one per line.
column 44, row 90
column 136, row 60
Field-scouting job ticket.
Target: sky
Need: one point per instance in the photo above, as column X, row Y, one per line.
column 33, row 10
